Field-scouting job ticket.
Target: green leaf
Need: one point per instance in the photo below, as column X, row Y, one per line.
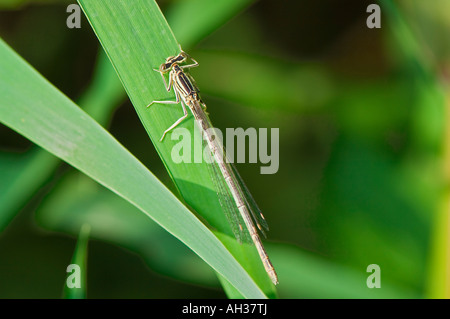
column 80, row 259
column 23, row 174
column 134, row 58
column 34, row 108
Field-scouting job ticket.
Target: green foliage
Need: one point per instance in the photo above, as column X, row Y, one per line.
column 80, row 259
column 360, row 178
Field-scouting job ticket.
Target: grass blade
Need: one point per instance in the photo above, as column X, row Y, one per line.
column 80, row 259
column 134, row 58
column 24, row 173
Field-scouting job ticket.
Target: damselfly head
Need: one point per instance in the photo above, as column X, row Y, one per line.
column 172, row 60
column 163, row 68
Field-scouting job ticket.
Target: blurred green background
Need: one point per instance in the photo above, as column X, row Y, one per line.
column 362, row 151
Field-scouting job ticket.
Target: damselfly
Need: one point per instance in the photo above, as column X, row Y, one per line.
column 239, row 204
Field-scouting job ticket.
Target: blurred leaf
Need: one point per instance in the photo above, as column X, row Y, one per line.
column 80, row 259
column 430, row 119
column 22, row 175
column 263, row 82
column 37, row 110
column 369, row 214
column 193, row 20
column 77, row 200
column 407, row 49
column 426, row 96
column 365, row 109
column 305, row 276
column 430, row 25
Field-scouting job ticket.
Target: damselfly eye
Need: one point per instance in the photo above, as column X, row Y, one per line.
column 163, row 68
